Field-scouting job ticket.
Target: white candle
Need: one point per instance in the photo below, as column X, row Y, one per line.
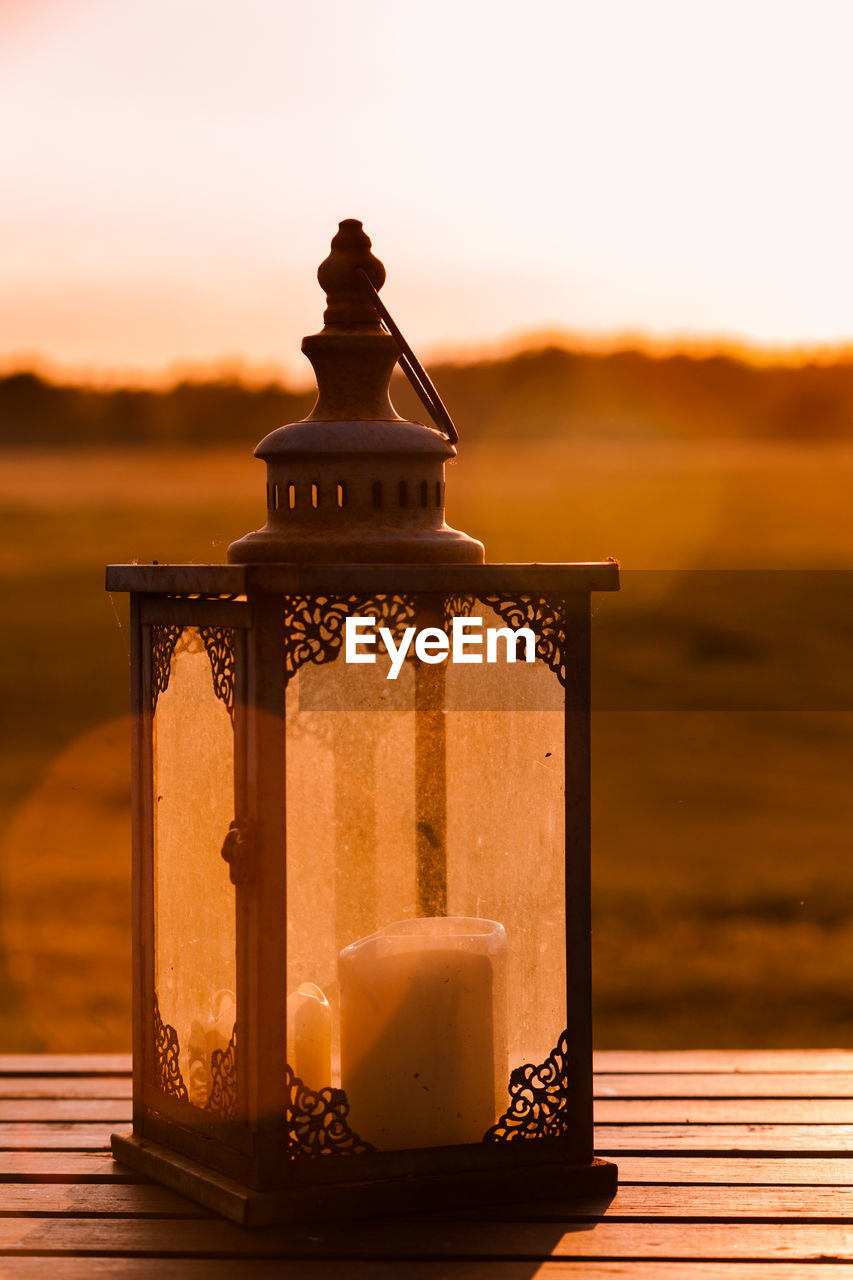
column 309, row 1036
column 423, row 1031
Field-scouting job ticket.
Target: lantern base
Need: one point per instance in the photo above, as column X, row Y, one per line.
column 377, row 1198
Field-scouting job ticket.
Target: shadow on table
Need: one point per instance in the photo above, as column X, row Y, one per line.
column 145, row 1221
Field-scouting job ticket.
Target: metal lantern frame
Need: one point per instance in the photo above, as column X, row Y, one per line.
column 249, row 1154
column 355, row 527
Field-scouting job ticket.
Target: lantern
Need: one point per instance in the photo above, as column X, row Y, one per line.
column 361, row 831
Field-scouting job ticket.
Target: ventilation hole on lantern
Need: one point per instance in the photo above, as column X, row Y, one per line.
column 424, row 493
column 291, row 496
column 377, row 494
column 403, row 491
column 315, row 496
column 438, row 493
column 342, row 494
column 268, row 497
column 275, row 497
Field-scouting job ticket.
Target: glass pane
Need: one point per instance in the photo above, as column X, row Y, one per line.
column 506, row 833
column 350, row 833
column 426, row 887
column 195, row 950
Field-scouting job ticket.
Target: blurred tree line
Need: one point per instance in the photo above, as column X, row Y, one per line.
column 540, row 393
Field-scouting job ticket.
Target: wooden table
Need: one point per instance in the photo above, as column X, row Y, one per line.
column 731, row 1165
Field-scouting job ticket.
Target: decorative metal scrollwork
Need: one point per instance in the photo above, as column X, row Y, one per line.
column 316, row 1122
column 221, row 650
column 167, row 1071
column 315, row 624
column 458, row 607
column 545, row 619
column 164, row 637
column 314, row 630
column 547, row 622
column 539, row 1106
column 223, row 1080
column 394, row 612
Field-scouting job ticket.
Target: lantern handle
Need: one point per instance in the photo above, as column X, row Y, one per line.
column 412, row 367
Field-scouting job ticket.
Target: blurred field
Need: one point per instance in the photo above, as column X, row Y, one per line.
column 723, row 801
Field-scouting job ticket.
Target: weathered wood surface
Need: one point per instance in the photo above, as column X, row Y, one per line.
column 762, row 1171
column 611, row 1140
column 55, row 1137
column 697, row 1084
column 707, row 1084
column 90, row 1268
column 63, row 1166
column 438, row 1240
column 732, row 1167
column 708, row 1203
column 651, row 1111
column 724, row 1060
column 65, row 1064
column 738, row 1111
column 736, row 1139
column 69, row 1268
column 65, row 1086
column 50, row 1110
column 700, row 1084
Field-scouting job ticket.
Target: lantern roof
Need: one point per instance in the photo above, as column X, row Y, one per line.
column 318, row 436
column 354, row 482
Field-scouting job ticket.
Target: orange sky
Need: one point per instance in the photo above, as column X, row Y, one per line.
column 175, row 169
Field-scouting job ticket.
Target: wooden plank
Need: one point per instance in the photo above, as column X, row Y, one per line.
column 66, row 1086
column 677, row 1203
column 115, row 1111
column 745, row 1111
column 65, row 1064
column 611, row 1061
column 737, row 1170
column 39, row 1199
column 647, row 1139
column 607, row 1087
column 90, row 1268
column 651, row 1085
column 696, row 1203
column 724, row 1084
column 607, row 1062
column 78, row 1166
column 55, row 1137
column 782, row 1139
column 525, row 1241
column 215, row 1269
column 639, row 1139
column 636, row 1269
column 63, row 1166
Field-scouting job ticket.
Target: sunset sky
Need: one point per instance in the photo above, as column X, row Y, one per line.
column 173, row 171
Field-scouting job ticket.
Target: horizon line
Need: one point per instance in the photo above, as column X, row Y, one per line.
column 256, row 374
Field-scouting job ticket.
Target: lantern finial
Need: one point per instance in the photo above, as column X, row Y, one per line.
column 349, row 302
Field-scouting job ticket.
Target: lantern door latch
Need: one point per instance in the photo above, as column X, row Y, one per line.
column 238, row 850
